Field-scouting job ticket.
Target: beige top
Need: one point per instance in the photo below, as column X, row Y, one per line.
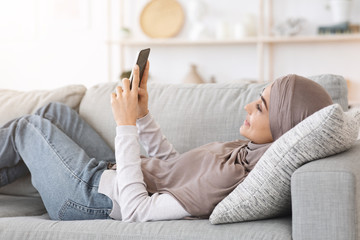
column 201, row 178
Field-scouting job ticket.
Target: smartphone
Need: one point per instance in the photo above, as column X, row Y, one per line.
column 141, row 61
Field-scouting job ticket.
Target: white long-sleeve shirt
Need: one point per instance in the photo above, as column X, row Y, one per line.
column 126, row 187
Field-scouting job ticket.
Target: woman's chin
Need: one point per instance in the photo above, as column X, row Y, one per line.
column 243, row 131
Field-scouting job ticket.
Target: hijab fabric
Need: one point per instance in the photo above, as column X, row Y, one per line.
column 292, row 99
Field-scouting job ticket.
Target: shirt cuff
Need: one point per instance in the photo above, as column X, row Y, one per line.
column 126, row 130
column 147, row 118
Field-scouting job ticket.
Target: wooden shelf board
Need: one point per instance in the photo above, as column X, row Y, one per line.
column 313, row 39
column 249, row 40
column 174, row 42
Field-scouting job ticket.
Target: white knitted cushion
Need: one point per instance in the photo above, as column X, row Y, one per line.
column 265, row 192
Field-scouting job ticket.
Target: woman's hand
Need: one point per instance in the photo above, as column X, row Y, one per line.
column 124, row 102
column 143, row 94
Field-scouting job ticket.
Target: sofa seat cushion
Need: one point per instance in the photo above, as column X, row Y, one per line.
column 42, row 228
column 13, row 206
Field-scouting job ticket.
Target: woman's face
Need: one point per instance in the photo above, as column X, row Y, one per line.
column 256, row 126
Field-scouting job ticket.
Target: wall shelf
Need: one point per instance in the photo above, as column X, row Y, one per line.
column 184, row 42
column 313, row 39
column 250, row 40
column 264, row 43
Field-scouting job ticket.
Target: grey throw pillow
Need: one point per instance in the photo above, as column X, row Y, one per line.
column 266, row 192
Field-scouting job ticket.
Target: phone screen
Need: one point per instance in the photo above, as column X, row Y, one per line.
column 141, row 62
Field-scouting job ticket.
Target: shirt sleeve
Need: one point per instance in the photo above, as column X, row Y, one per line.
column 152, row 139
column 134, row 200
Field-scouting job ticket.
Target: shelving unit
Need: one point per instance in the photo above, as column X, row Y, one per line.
column 264, row 42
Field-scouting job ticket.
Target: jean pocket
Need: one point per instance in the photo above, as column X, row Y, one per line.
column 74, row 211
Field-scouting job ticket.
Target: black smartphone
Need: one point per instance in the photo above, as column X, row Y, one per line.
column 141, row 61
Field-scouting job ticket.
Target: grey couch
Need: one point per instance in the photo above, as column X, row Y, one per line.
column 325, row 193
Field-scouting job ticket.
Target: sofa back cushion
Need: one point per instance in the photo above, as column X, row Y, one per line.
column 18, row 103
column 191, row 115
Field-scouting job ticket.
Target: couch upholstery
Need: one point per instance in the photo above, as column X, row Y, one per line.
column 324, row 192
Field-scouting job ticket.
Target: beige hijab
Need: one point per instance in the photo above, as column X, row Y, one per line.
column 292, row 99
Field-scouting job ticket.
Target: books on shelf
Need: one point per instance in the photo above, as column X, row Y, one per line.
column 341, row 28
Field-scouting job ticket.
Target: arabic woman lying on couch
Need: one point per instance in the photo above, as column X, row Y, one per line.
column 78, row 176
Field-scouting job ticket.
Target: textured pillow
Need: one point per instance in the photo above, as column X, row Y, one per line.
column 18, row 103
column 265, row 192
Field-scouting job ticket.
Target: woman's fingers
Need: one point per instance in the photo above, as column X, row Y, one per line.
column 144, row 79
column 135, row 84
column 119, row 91
column 126, row 85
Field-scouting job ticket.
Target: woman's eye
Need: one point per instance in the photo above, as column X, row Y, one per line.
column 258, row 107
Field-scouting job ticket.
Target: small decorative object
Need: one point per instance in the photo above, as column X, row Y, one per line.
column 354, row 28
column 222, row 30
column 125, row 74
column 340, row 10
column 290, row 27
column 125, row 32
column 162, row 18
column 249, row 22
column 246, row 27
column 193, row 76
column 196, row 11
column 239, row 31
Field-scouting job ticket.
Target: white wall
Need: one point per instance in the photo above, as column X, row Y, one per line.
column 50, row 43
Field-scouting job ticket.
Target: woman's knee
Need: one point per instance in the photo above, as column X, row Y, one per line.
column 29, row 119
column 52, row 108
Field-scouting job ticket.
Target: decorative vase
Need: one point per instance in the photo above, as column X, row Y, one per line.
column 196, row 12
column 340, row 10
column 193, row 76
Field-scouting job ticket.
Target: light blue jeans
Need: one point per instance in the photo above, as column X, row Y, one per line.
column 66, row 158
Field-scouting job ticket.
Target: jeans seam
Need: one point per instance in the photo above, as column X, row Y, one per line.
column 57, row 154
column 70, row 203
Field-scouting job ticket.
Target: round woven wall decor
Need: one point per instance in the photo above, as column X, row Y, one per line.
column 162, row 18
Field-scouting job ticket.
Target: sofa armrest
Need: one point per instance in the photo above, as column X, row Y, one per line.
column 325, row 197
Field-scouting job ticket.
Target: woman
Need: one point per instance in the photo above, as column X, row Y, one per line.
column 75, row 172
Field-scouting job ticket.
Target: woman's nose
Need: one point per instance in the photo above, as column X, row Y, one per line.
column 247, row 108
column 250, row 107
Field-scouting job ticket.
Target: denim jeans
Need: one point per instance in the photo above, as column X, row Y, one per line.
column 66, row 158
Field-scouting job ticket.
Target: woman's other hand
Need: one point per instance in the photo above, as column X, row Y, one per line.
column 143, row 93
column 124, row 102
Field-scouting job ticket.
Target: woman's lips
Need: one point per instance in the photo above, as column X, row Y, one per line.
column 246, row 123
